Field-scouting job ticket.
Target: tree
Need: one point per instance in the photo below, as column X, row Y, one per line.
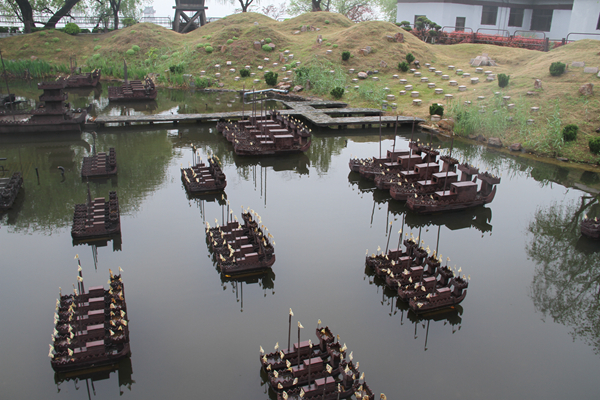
column 356, row 10
column 389, row 8
column 273, row 11
column 245, row 4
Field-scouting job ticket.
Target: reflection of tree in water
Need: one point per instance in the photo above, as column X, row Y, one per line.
column 566, row 283
column 322, row 150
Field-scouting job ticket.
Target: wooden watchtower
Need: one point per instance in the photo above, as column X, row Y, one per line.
column 182, row 22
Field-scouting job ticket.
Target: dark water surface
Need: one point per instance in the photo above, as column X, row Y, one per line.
column 528, row 328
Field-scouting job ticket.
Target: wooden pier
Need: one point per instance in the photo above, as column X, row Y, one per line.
column 323, row 114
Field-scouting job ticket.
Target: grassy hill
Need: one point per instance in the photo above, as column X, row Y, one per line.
column 148, row 48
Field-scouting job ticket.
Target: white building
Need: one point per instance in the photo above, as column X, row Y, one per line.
column 556, row 18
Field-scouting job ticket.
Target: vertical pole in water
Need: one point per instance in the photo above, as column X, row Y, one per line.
column 243, row 97
column 261, row 183
column 37, row 174
column 299, row 325
column 380, row 135
column 395, row 134
column 389, row 236
column 438, row 240
column 427, row 334
column 450, row 156
column 242, row 296
column 416, row 323
column 412, row 135
column 265, row 186
column 400, row 233
column 290, row 328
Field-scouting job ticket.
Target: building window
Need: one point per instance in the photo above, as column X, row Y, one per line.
column 416, row 17
column 488, row 15
column 516, row 17
column 460, row 24
column 541, row 20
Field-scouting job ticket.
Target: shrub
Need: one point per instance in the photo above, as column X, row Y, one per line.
column 177, row 69
column 42, row 33
column 327, row 21
column 135, row 48
column 132, row 31
column 436, row 109
column 410, row 58
column 165, row 57
column 199, row 45
column 266, row 47
column 55, row 40
column 71, row 29
column 96, row 56
column 557, row 68
column 345, row 55
column 96, row 39
column 128, row 21
column 268, row 40
column 570, row 132
column 208, row 49
column 594, row 144
column 234, row 38
column 97, row 47
column 271, row 78
column 202, row 83
column 85, row 30
column 25, row 45
column 335, row 46
column 288, row 66
column 148, row 62
column 130, row 52
column 328, row 44
column 244, row 73
column 58, row 50
column 229, row 41
column 208, row 37
column 337, row 92
column 403, row 66
column 503, row 80
column 46, row 44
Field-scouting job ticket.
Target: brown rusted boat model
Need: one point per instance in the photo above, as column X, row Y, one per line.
column 241, row 249
column 314, row 372
column 79, row 80
column 53, row 115
column 97, row 219
column 590, row 227
column 425, row 178
column 100, row 165
column 461, row 195
column 268, row 135
column 133, row 90
column 90, row 328
column 202, row 178
column 418, row 278
column 9, row 189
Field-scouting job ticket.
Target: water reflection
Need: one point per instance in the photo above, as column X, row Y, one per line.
column 451, row 317
column 566, row 282
column 123, row 369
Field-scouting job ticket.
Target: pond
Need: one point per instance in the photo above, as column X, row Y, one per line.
column 528, row 327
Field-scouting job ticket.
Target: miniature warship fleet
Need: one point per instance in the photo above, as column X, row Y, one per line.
column 416, row 176
column 90, row 328
column 241, row 249
column 418, row 278
column 314, row 371
column 268, row 135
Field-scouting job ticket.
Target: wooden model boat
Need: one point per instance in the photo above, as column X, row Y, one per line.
column 90, row 329
column 461, row 195
column 419, row 279
column 200, row 178
column 53, row 115
column 425, row 178
column 97, row 219
column 269, row 135
column 134, row 90
column 241, row 249
column 319, row 372
column 100, row 165
column 80, row 80
column 9, row 189
column 590, row 227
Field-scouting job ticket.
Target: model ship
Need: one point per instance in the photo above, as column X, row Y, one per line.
column 9, row 189
column 202, row 178
column 241, row 248
column 100, row 165
column 268, row 135
column 90, row 328
column 96, row 219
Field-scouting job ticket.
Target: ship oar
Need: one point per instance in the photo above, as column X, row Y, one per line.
column 290, row 328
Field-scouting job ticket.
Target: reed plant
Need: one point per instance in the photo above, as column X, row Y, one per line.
column 35, row 68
